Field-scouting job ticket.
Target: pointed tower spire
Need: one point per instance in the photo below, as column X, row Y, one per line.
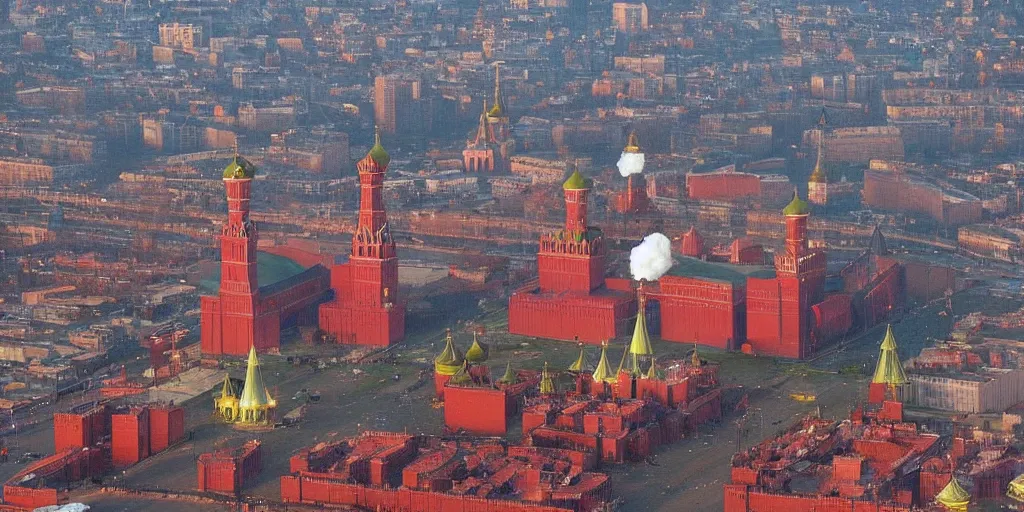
column 580, row 365
column 498, row 110
column 509, row 377
column 462, row 376
column 817, row 184
column 695, row 358
column 889, row 370
column 877, row 245
column 227, row 389
column 641, row 342
column 255, row 398
column 603, row 372
column 622, row 362
column 547, row 385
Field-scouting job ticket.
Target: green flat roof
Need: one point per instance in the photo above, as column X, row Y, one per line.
column 735, row 274
column 270, row 268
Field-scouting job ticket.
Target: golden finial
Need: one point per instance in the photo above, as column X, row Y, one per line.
column 234, row 146
column 376, row 135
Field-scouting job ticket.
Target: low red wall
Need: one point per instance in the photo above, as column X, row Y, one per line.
column 738, row 498
column 317, row 489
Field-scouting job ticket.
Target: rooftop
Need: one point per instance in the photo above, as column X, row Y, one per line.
column 270, row 269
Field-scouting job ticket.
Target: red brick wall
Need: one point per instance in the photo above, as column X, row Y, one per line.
column 130, row 437
column 479, row 411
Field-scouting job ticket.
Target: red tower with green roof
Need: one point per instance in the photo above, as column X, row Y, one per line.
column 779, row 308
column 242, row 315
column 366, row 309
column 571, row 297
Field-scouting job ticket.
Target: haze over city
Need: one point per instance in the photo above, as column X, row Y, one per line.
column 511, row 255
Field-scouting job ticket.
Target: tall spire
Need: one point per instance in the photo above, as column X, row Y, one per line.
column 547, row 385
column 498, row 110
column 818, row 175
column 254, row 393
column 889, row 370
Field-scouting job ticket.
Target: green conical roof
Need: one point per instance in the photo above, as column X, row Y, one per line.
column 510, row 376
column 797, row 206
column 641, row 343
column 953, row 496
column 477, row 352
column 254, row 393
column 603, row 372
column 889, row 370
column 580, row 364
column 239, row 169
column 462, row 376
column 575, row 181
column 378, row 153
column 547, row 385
column 227, row 389
column 450, row 359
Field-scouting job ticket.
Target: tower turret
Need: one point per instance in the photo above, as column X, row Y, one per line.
column 576, row 190
column 796, row 213
column 239, row 235
column 366, row 309
column 372, row 244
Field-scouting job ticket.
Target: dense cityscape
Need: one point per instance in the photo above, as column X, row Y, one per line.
column 512, row 255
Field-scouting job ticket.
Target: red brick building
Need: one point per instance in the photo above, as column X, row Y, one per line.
column 243, row 314
column 572, row 298
column 129, row 442
column 366, row 309
column 227, row 471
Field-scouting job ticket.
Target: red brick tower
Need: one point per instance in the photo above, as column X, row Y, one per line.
column 231, row 321
column 571, row 299
column 573, row 259
column 365, row 310
column 779, row 308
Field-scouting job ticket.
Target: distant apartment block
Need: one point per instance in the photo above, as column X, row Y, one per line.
column 317, row 150
column 35, row 171
column 266, row 118
column 183, row 36
column 630, row 18
column 396, row 106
